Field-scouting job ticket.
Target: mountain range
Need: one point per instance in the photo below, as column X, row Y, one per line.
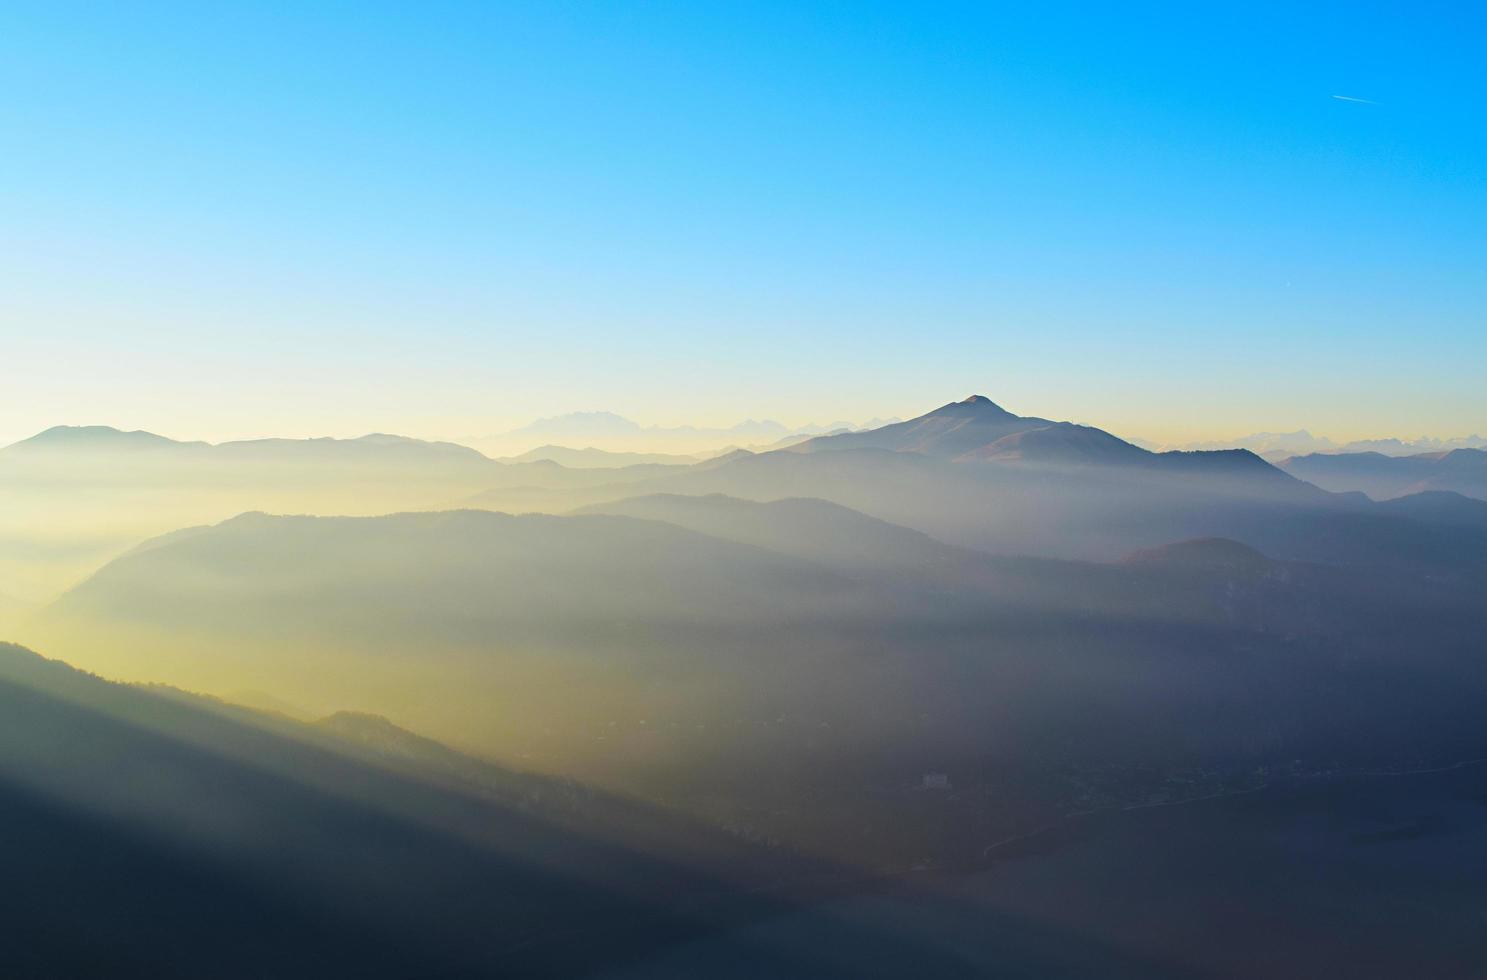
column 73, row 497
column 977, row 475
column 1276, row 446
column 656, row 703
column 734, row 658
column 615, row 433
column 969, row 472
column 149, row 832
column 1382, row 477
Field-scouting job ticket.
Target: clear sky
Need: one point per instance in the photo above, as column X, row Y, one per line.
column 445, row 219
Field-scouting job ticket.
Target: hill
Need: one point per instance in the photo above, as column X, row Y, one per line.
column 814, row 530
column 153, row 834
column 1382, row 477
column 790, row 679
column 1060, row 443
column 1439, row 507
column 598, row 458
column 71, row 498
column 96, row 438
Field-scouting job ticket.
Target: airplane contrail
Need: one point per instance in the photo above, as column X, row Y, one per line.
column 1349, row 98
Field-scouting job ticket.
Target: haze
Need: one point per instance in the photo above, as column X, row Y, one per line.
column 641, row 491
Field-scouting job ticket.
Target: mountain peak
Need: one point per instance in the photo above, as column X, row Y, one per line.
column 976, row 406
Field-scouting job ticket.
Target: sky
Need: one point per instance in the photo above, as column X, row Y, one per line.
column 1176, row 221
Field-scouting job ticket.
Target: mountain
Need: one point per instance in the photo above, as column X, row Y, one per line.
column 723, row 459
column 945, row 433
column 157, row 834
column 608, row 431
column 978, row 476
column 977, row 430
column 782, row 680
column 1086, row 512
column 1278, row 446
column 1204, row 554
column 1060, row 443
column 1413, row 447
column 352, row 613
column 1271, row 446
column 375, row 448
column 72, row 498
column 1463, row 471
column 615, row 433
column 87, row 440
column 582, row 571
column 586, row 424
column 597, row 458
column 95, row 438
column 813, row 530
column 1439, row 507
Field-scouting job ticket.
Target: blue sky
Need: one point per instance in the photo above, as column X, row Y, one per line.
column 446, row 219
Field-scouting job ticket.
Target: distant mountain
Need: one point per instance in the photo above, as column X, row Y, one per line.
column 63, row 492
column 975, row 475
column 1276, row 446
column 1463, row 471
column 82, row 443
column 95, row 438
column 376, row 447
column 591, row 458
column 1054, row 490
column 1412, row 447
column 615, row 433
column 591, row 424
column 1267, row 445
column 606, row 430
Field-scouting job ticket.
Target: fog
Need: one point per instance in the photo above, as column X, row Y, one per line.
column 772, row 679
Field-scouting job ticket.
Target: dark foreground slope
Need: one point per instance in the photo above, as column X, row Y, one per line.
column 153, row 835
column 1371, row 877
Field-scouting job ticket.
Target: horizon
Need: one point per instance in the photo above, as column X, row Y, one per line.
column 290, row 222
column 535, row 440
